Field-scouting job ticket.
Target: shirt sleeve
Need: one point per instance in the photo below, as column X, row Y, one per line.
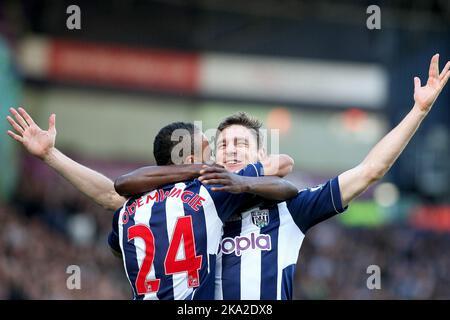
column 227, row 203
column 314, row 205
column 113, row 237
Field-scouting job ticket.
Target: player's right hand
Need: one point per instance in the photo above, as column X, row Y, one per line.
column 36, row 141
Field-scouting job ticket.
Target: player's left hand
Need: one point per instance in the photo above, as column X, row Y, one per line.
column 227, row 181
column 425, row 96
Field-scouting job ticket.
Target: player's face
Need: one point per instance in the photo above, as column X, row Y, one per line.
column 236, row 146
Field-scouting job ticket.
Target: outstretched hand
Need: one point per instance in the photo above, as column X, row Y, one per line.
column 425, row 96
column 36, row 141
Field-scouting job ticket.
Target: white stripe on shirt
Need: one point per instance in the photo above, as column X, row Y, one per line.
column 250, row 263
column 289, row 236
column 174, row 210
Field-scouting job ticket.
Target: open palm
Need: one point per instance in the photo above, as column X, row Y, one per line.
column 36, row 141
column 426, row 95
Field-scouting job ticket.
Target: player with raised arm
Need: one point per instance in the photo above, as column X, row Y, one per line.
column 262, row 244
column 154, row 228
column 149, row 230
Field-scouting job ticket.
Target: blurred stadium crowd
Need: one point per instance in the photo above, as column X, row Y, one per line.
column 333, row 263
column 48, row 227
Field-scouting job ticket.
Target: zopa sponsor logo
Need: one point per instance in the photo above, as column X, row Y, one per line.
column 241, row 243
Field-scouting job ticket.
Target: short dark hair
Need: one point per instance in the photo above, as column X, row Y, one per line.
column 242, row 119
column 163, row 143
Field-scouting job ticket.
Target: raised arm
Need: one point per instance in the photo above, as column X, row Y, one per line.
column 268, row 187
column 380, row 159
column 149, row 178
column 41, row 144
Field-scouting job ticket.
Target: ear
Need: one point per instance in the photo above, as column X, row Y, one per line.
column 189, row 159
column 262, row 154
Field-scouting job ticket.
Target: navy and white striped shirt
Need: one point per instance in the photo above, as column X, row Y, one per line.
column 169, row 238
column 260, row 247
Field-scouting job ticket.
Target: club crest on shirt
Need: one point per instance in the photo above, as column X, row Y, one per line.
column 260, row 217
